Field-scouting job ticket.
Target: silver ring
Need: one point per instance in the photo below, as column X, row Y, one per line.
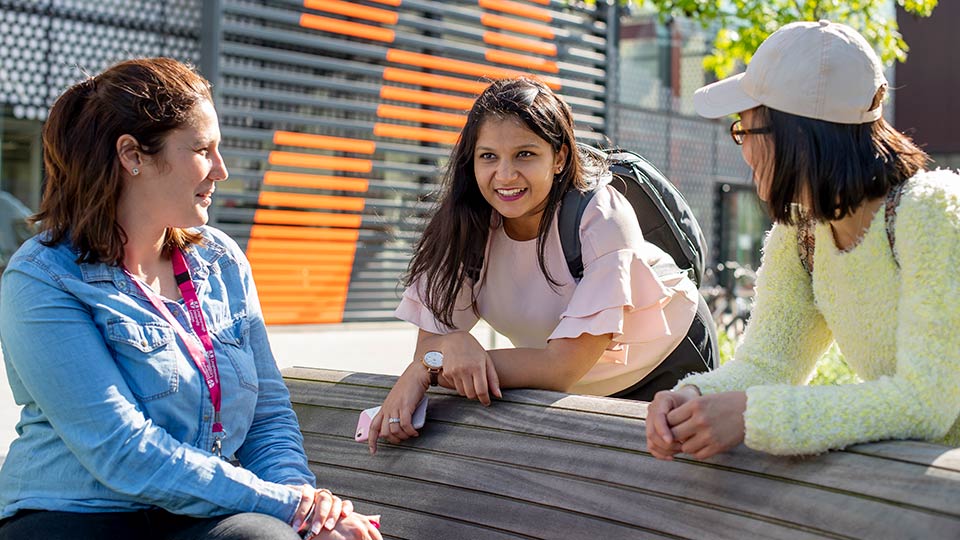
column 393, row 420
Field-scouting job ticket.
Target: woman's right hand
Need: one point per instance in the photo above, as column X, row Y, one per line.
column 400, row 403
column 467, row 366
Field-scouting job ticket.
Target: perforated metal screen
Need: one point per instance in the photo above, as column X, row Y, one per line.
column 338, row 116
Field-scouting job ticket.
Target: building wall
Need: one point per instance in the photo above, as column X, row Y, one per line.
column 337, row 117
column 927, row 83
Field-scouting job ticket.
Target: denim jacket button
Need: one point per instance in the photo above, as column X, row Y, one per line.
column 143, row 343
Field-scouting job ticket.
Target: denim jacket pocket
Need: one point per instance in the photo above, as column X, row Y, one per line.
column 234, row 337
column 147, row 355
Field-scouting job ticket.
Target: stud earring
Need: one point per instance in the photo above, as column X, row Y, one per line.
column 135, row 171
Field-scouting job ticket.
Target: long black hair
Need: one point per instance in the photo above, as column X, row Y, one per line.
column 452, row 247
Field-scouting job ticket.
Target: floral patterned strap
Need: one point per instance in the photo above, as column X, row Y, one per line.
column 806, row 242
column 890, row 213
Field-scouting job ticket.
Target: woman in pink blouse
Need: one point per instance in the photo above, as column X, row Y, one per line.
column 492, row 251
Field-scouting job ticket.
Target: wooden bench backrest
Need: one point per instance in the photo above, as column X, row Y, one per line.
column 548, row 465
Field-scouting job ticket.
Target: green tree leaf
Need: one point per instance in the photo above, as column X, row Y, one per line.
column 744, row 24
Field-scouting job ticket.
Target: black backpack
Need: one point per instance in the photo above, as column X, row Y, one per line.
column 664, row 216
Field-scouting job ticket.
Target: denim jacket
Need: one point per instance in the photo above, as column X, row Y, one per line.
column 116, row 416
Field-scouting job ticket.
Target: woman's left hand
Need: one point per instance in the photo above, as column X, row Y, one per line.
column 467, row 367
column 710, row 424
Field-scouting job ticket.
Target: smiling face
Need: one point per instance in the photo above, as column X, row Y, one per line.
column 515, row 172
column 177, row 183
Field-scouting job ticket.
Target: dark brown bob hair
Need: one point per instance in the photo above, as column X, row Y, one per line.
column 145, row 98
column 831, row 168
column 451, row 249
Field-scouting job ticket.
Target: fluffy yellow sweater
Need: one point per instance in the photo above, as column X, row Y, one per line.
column 898, row 327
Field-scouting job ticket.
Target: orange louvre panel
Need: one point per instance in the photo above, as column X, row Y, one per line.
column 415, row 133
column 541, row 2
column 421, row 115
column 314, row 161
column 309, row 304
column 434, row 81
column 446, row 64
column 521, row 44
column 335, row 183
column 359, row 146
column 346, row 28
column 393, row 2
column 521, row 27
column 279, row 319
column 281, row 291
column 520, row 60
column 303, row 233
column 282, row 315
column 257, row 257
column 332, row 268
column 426, row 98
column 274, row 247
column 302, row 200
column 516, row 8
column 314, row 219
column 460, row 66
column 353, row 10
column 291, row 275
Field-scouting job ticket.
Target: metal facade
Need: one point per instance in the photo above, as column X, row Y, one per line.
column 338, row 117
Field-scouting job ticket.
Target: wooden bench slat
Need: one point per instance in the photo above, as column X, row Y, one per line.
column 894, row 480
column 559, row 459
column 735, row 491
column 539, row 508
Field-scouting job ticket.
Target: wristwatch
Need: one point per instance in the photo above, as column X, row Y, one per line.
column 433, row 360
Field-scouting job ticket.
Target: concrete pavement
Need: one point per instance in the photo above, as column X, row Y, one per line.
column 362, row 347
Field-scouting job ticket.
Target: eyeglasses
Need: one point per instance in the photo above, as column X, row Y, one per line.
column 737, row 131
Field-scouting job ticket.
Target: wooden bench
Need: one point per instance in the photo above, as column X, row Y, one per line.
column 550, row 465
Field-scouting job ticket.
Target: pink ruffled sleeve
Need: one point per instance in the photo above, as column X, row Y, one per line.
column 412, row 310
column 619, row 293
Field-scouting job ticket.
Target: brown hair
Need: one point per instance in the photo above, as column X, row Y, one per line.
column 452, row 246
column 145, row 98
column 833, row 168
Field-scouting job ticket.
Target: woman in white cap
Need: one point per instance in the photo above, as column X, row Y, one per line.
column 864, row 251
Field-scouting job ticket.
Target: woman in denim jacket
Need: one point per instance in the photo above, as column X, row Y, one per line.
column 120, row 434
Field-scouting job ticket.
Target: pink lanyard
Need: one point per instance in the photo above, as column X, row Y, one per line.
column 205, row 359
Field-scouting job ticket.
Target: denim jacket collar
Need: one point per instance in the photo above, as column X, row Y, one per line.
column 201, row 258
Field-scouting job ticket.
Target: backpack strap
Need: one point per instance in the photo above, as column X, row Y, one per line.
column 568, row 222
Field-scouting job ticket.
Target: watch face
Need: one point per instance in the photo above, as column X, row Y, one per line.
column 433, row 359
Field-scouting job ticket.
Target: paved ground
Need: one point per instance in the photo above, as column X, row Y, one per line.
column 367, row 347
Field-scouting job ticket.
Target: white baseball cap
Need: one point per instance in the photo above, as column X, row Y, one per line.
column 819, row 70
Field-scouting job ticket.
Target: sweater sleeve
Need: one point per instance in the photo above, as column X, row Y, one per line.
column 785, row 336
column 921, row 399
column 786, row 333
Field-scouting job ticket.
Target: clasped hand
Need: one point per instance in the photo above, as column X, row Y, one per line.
column 701, row 426
column 321, row 515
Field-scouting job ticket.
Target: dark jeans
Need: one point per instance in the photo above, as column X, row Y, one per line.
column 695, row 354
column 143, row 525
